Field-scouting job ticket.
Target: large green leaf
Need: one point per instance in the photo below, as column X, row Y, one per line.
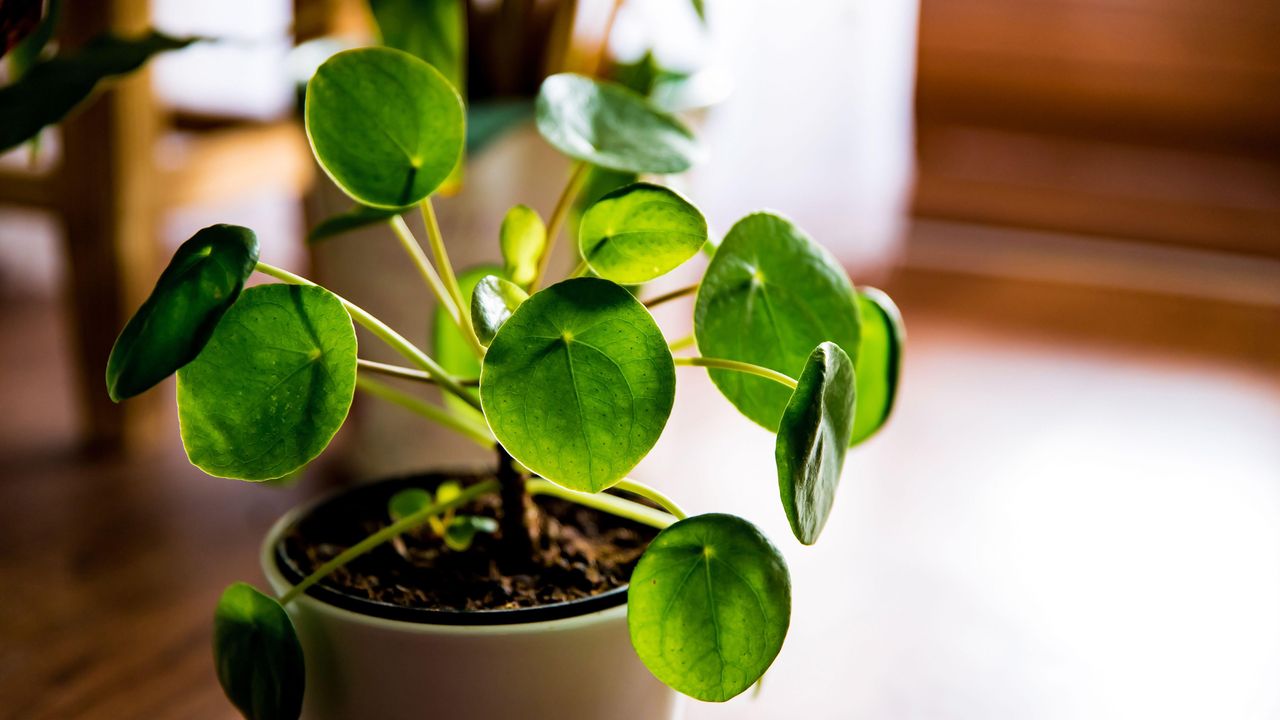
column 273, row 385
column 52, row 88
column 523, row 239
column 356, row 217
column 257, row 655
column 451, row 349
column 385, row 125
column 492, row 303
column 608, row 125
column 202, row 280
column 770, row 295
column 813, row 437
column 434, row 30
column 879, row 361
column 709, row 606
column 639, row 232
column 579, row 383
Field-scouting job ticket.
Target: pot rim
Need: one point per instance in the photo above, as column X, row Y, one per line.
column 320, row 598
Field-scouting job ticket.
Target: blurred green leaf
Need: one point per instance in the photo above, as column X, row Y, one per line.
column 407, row 502
column 523, row 239
column 434, row 30
column 462, row 530
column 357, row 217
column 257, row 655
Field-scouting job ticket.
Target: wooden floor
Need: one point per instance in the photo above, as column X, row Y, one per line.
column 1075, row 513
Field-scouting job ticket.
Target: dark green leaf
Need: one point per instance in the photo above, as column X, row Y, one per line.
column 203, row 279
column 257, row 655
column 357, row 217
column 451, row 350
column 813, row 438
column 273, row 385
column 434, row 30
column 640, row 232
column 491, row 119
column 523, row 239
column 770, row 295
column 492, row 302
column 407, row 502
column 879, row 361
column 463, row 528
column 608, row 125
column 52, row 88
column 709, row 606
column 386, row 126
column 579, row 383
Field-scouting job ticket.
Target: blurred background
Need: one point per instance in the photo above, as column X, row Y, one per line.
column 1075, row 512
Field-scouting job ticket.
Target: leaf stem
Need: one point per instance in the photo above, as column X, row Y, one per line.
column 649, row 493
column 687, row 341
column 384, row 333
column 393, row 530
column 612, row 504
column 673, row 295
column 428, row 272
column 432, row 412
column 405, row 373
column 580, row 270
column 735, row 365
column 561, row 212
column 441, row 254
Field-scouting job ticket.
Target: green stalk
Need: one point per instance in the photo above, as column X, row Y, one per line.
column 427, row 410
column 680, row 344
column 386, row 334
column 673, row 295
column 460, row 315
column 405, row 373
column 612, row 504
column 649, row 493
column 561, row 212
column 742, row 367
column 441, row 254
column 386, row 534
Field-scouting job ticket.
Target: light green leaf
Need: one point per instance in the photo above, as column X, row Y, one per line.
column 386, row 126
column 606, row 124
column 462, row 530
column 770, row 295
column 640, row 232
column 451, row 350
column 407, row 502
column 709, row 605
column 273, row 385
column 492, row 302
column 52, row 88
column 523, row 239
column 813, row 438
column 879, row 361
column 257, row 655
column 203, row 279
column 579, row 383
column 357, row 217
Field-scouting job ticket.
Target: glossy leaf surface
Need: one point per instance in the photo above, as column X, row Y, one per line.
column 523, row 239
column 879, row 361
column 578, row 383
column 273, row 385
column 709, row 605
column 608, row 125
column 492, row 302
column 813, row 439
column 257, row 655
column 769, row 297
column 169, row 330
column 385, row 125
column 640, row 232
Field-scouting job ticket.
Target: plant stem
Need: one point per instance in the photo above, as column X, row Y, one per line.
column 405, row 373
column 453, row 307
column 648, row 493
column 393, row 530
column 673, row 295
column 612, row 504
column 561, row 212
column 517, row 543
column 441, row 254
column 427, row 410
column 580, row 270
column 682, row 343
column 384, row 333
column 737, row 366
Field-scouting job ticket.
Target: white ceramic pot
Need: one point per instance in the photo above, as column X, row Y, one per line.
column 579, row 666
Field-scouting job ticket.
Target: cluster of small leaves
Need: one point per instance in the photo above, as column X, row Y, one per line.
column 456, row 530
column 576, row 380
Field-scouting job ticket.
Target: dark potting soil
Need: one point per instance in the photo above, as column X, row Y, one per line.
column 577, row 553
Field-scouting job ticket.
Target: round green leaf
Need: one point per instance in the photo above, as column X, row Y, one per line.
column 879, row 361
column 523, row 238
column 385, row 125
column 492, row 302
column 407, row 502
column 639, row 232
column 579, row 383
column 709, row 606
column 203, row 279
column 813, row 438
column 451, row 350
column 608, row 125
column 769, row 297
column 273, row 385
column 463, row 529
column 257, row 655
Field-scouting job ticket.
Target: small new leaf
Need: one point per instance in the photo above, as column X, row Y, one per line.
column 813, row 438
column 640, row 232
column 202, row 281
column 492, row 302
column 709, row 605
column 879, row 361
column 407, row 502
column 462, row 530
column 523, row 239
column 257, row 655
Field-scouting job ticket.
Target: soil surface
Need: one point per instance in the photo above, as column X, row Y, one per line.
column 577, row 553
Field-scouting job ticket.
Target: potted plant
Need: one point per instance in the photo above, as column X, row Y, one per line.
column 533, row 588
